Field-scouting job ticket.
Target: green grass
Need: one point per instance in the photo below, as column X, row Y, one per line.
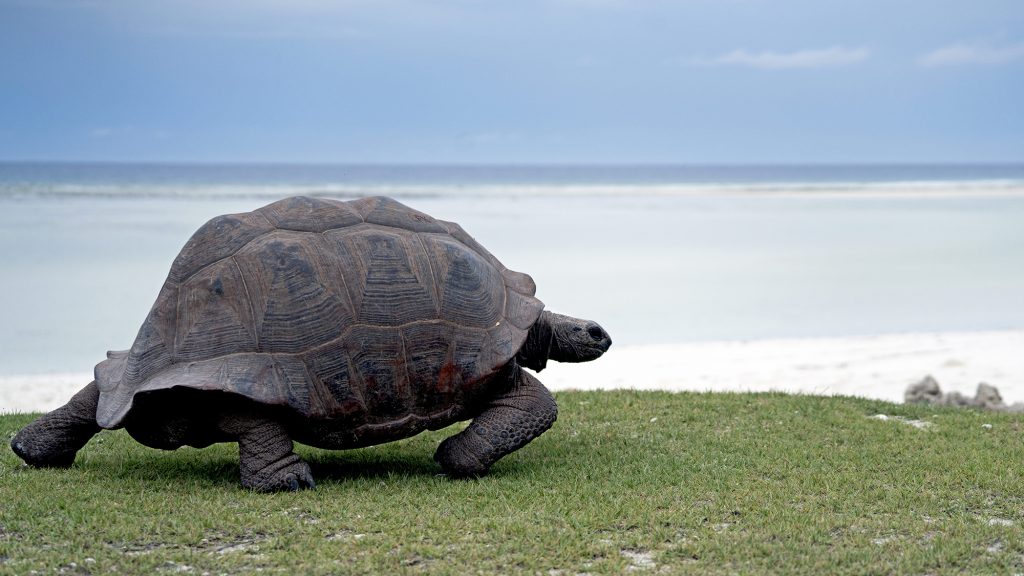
column 649, row 482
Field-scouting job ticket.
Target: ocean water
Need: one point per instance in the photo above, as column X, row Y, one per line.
column 656, row 254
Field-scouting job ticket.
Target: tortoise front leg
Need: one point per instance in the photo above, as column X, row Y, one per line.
column 509, row 422
column 265, row 456
column 53, row 440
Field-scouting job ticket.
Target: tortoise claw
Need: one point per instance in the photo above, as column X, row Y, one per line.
column 301, row 478
column 296, row 483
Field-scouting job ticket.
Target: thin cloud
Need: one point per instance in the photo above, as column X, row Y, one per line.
column 972, row 54
column 832, row 57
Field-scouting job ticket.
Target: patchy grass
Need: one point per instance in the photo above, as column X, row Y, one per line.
column 626, row 481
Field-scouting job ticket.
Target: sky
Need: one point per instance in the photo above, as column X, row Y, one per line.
column 531, row 81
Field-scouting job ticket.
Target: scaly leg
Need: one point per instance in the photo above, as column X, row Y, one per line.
column 265, row 457
column 509, row 422
column 54, row 438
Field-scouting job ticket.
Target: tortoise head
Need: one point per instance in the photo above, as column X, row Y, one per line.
column 564, row 339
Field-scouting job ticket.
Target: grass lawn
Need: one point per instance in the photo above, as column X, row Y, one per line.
column 645, row 482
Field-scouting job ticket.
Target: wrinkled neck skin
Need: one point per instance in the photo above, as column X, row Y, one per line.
column 536, row 350
column 563, row 339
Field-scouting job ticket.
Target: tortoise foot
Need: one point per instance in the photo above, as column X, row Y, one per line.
column 265, row 456
column 290, row 478
column 40, row 455
column 53, row 439
column 459, row 459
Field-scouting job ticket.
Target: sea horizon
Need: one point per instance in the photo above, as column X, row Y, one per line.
column 226, row 180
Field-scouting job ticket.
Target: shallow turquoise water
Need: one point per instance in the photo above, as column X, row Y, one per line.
column 79, row 274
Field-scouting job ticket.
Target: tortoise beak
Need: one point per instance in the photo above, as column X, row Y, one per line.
column 600, row 337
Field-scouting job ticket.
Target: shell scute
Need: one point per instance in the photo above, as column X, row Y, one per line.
column 456, row 231
column 472, row 290
column 389, row 276
column 377, row 360
column 214, row 316
column 520, row 310
column 307, row 214
column 388, row 212
column 433, row 380
column 295, row 301
column 217, row 239
column 332, row 373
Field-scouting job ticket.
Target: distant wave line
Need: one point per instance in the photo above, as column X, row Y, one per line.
column 25, row 191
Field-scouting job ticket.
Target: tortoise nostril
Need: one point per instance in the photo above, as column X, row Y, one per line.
column 595, row 332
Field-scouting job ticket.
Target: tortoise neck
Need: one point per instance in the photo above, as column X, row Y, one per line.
column 536, row 350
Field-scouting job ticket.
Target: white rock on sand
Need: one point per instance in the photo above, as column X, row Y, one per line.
column 873, row 366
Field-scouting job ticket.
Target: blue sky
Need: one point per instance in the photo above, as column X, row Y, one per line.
column 550, row 81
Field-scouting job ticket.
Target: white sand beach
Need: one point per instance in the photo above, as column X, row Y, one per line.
column 878, row 367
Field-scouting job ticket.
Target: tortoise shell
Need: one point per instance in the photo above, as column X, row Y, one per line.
column 366, row 311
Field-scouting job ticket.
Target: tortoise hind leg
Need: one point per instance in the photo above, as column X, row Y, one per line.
column 54, row 438
column 265, row 456
column 510, row 421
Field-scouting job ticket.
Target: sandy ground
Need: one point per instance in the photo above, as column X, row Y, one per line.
column 871, row 366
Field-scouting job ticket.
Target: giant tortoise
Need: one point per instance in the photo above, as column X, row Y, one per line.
column 336, row 324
